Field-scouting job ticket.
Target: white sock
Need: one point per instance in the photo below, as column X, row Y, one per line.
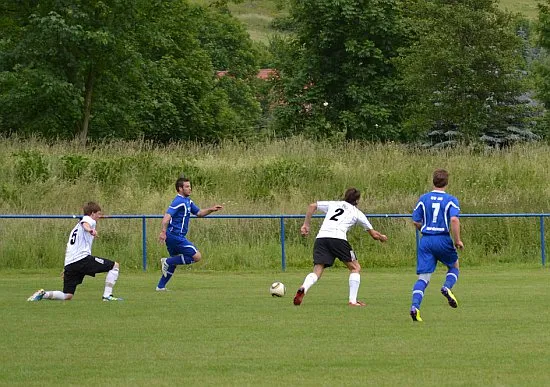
column 354, row 281
column 54, row 295
column 110, row 281
column 311, row 278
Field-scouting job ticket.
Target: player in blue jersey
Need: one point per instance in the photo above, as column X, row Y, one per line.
column 175, row 225
column 436, row 216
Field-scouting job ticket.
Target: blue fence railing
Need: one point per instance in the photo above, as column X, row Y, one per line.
column 281, row 219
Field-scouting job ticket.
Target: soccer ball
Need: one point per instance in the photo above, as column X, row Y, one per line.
column 277, row 289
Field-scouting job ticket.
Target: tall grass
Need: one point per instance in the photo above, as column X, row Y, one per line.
column 271, row 177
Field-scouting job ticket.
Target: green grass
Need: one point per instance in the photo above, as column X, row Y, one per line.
column 224, row 329
column 138, row 178
column 528, row 8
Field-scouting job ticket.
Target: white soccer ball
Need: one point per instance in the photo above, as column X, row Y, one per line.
column 277, row 289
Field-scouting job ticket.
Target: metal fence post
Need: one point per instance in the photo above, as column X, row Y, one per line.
column 144, row 241
column 542, row 242
column 283, row 256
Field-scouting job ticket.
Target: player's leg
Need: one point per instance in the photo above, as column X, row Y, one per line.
column 72, row 277
column 309, row 281
column 354, row 282
column 168, row 269
column 425, row 266
column 321, row 258
column 110, row 281
column 343, row 249
column 449, row 257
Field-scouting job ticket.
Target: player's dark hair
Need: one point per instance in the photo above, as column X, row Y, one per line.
column 440, row 178
column 179, row 183
column 90, row 208
column 352, row 196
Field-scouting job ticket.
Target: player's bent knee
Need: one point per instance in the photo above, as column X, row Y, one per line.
column 116, row 266
column 197, row 257
column 68, row 296
column 425, row 277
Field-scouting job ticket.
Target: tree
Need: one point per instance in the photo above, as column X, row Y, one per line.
column 340, row 54
column 463, row 71
column 120, row 68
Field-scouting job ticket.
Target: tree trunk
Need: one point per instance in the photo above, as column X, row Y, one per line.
column 88, row 92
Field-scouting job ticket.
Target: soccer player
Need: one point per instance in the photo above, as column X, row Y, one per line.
column 436, row 216
column 80, row 262
column 175, row 225
column 332, row 243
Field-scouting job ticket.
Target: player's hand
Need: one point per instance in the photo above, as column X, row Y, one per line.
column 382, row 237
column 304, row 230
column 459, row 245
column 93, row 232
column 162, row 237
column 217, row 207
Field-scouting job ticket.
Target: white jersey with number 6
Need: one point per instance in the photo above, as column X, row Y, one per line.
column 340, row 217
column 80, row 241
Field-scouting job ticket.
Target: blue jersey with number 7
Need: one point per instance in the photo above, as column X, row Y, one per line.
column 435, row 210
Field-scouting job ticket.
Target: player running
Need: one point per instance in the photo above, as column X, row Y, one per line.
column 436, row 216
column 332, row 243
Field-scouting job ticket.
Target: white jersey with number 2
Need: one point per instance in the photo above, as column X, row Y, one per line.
column 80, row 241
column 340, row 217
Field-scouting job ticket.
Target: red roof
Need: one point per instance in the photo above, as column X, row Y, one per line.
column 262, row 73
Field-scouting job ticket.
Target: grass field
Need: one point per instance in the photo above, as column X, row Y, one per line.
column 224, row 329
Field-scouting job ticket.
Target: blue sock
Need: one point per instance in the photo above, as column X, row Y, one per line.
column 164, row 280
column 452, row 277
column 418, row 293
column 180, row 259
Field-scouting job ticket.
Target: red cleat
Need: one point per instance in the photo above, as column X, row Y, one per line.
column 299, row 296
column 357, row 303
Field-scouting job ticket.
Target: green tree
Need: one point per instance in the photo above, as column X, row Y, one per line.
column 464, row 70
column 336, row 74
column 121, row 68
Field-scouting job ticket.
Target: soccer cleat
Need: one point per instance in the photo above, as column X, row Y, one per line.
column 37, row 296
column 112, row 298
column 162, row 289
column 453, row 303
column 415, row 314
column 357, row 303
column 299, row 296
column 164, row 267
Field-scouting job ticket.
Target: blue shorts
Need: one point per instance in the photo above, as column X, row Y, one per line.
column 177, row 246
column 433, row 248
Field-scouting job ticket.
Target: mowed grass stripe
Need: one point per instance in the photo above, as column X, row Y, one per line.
column 225, row 329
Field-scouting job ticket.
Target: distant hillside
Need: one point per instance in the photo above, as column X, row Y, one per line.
column 258, row 14
column 525, row 7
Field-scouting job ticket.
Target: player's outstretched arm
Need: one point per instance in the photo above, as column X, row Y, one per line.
column 207, row 211
column 304, row 230
column 377, row 235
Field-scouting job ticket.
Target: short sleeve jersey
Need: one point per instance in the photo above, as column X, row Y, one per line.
column 79, row 245
column 435, row 210
column 180, row 210
column 340, row 217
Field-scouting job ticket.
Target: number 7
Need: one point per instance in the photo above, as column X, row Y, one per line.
column 435, row 207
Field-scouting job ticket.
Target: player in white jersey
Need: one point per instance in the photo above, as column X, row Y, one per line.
column 80, row 262
column 332, row 243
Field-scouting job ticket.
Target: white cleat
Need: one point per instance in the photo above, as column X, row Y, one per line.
column 164, row 267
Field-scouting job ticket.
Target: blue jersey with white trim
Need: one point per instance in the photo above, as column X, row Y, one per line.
column 435, row 210
column 180, row 210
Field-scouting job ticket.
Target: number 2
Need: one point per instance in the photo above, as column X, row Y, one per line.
column 435, row 207
column 338, row 212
